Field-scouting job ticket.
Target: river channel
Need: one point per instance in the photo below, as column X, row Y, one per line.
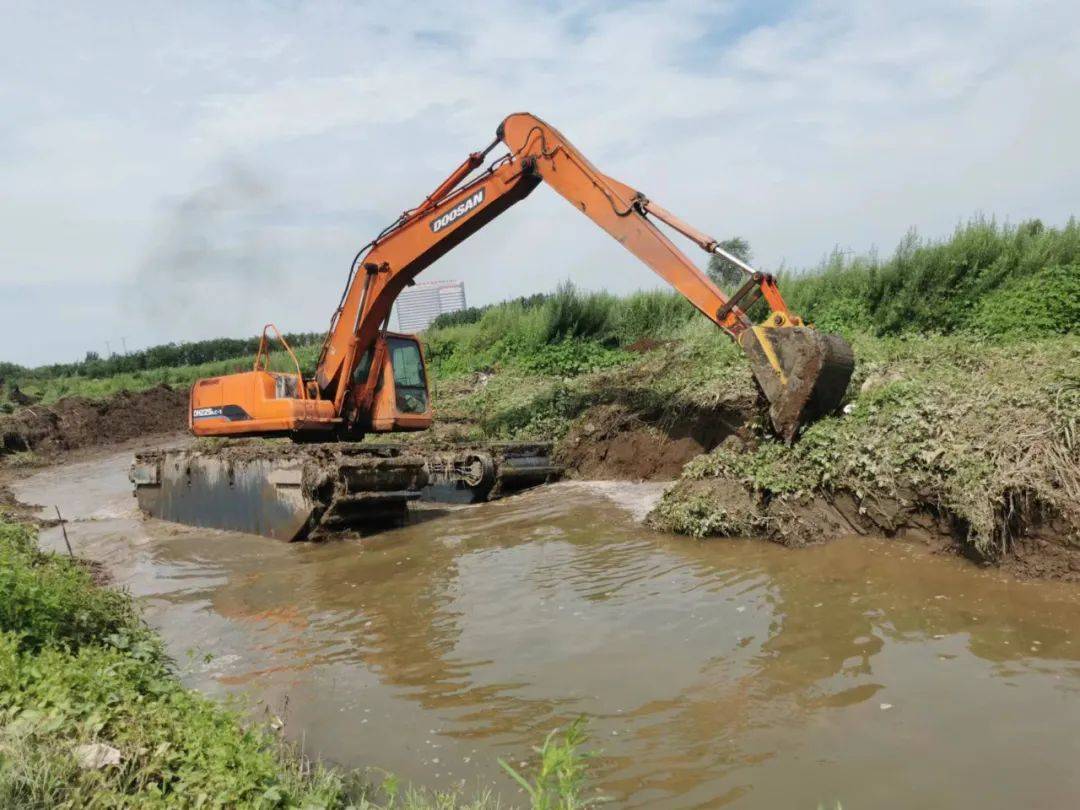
column 713, row 674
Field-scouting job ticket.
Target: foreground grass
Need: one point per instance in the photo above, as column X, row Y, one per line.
column 78, row 668
column 80, row 675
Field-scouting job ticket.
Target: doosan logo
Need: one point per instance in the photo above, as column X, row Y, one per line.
column 461, row 209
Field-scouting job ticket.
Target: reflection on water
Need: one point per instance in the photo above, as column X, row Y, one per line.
column 715, row 674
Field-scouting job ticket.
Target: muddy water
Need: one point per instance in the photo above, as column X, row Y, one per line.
column 715, row 674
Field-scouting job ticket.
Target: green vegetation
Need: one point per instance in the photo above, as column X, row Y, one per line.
column 995, row 280
column 562, row 774
column 92, row 714
column 168, row 355
column 987, row 278
column 567, row 333
column 48, row 389
column 79, row 669
column 518, row 398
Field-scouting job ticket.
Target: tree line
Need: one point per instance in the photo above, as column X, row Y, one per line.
column 166, row 355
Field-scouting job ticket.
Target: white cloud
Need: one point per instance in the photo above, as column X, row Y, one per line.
column 829, row 123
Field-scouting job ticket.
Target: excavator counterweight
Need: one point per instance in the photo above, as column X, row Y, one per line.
column 369, row 380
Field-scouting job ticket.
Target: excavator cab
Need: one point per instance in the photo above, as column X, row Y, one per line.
column 399, row 397
column 395, row 398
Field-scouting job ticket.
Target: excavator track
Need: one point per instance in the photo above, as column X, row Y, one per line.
column 312, row 491
column 467, row 473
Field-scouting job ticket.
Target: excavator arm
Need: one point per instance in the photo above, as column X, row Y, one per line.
column 802, row 373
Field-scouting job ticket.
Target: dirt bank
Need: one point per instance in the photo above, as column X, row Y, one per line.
column 612, row 442
column 1039, row 549
column 970, row 445
column 76, row 422
column 615, row 442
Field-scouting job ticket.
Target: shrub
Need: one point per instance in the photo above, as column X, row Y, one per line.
column 949, row 285
column 560, row 779
column 51, row 600
column 1044, row 303
column 571, row 358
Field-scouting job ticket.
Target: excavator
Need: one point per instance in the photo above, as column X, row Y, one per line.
column 371, row 380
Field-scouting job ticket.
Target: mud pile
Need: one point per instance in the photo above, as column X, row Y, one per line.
column 75, row 422
column 614, row 442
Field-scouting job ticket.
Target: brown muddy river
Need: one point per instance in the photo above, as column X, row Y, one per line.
column 720, row 673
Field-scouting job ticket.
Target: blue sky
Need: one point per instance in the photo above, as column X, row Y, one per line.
column 178, row 171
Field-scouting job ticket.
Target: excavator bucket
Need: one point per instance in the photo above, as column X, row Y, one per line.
column 803, row 373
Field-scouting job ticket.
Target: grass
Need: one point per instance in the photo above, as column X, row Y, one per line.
column 699, row 370
column 565, row 334
column 79, row 668
column 562, row 777
column 998, row 281
column 986, row 278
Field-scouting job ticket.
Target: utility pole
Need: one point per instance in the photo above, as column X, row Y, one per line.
column 108, row 349
column 123, row 342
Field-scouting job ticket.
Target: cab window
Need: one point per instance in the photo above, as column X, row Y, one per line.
column 410, row 387
column 363, row 368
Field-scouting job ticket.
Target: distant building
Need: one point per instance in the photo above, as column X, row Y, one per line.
column 419, row 305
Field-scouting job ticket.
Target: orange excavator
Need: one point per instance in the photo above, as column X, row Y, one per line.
column 371, row 380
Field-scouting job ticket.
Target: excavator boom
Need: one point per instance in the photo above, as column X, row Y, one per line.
column 802, row 373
